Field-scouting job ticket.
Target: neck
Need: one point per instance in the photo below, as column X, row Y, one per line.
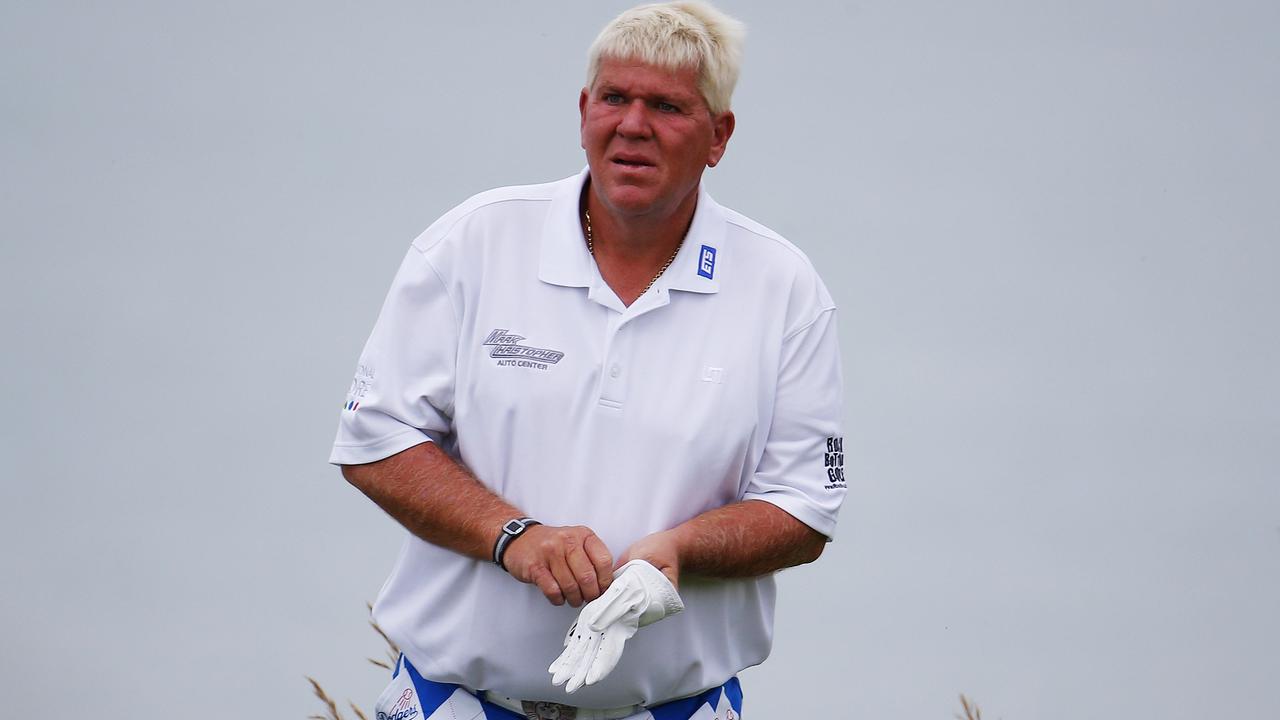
column 637, row 238
column 631, row 252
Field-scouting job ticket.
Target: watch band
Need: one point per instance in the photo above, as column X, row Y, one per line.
column 511, row 530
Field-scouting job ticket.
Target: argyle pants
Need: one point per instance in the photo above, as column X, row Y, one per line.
column 412, row 697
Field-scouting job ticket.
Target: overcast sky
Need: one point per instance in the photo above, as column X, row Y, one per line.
column 1051, row 229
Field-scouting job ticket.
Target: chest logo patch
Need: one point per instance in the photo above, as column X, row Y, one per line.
column 707, row 262
column 508, row 351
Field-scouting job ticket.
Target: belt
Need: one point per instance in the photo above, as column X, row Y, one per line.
column 540, row 710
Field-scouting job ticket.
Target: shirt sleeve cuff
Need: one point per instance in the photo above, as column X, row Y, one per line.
column 353, row 454
column 800, row 510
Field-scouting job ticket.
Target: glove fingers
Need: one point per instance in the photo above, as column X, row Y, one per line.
column 565, row 672
column 566, row 666
column 560, row 668
column 583, row 665
column 557, row 668
column 607, row 655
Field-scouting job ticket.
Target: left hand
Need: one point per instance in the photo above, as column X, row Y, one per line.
column 661, row 550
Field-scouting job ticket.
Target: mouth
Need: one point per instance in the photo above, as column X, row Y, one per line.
column 631, row 161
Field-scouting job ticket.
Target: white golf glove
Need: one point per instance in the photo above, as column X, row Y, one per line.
column 640, row 595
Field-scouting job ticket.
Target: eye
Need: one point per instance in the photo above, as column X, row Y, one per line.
column 612, row 98
column 667, row 107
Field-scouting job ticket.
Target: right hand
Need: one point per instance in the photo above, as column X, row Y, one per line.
column 568, row 564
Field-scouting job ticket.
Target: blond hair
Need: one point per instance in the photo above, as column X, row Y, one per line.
column 677, row 35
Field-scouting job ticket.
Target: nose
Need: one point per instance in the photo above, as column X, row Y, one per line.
column 635, row 120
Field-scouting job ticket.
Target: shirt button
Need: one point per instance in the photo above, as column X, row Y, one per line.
column 615, row 371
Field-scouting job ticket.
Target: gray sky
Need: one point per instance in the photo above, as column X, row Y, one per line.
column 1051, row 229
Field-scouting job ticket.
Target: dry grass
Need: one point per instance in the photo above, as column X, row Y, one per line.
column 393, row 651
column 971, row 709
column 331, row 707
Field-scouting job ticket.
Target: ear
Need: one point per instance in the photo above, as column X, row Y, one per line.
column 582, row 110
column 721, row 130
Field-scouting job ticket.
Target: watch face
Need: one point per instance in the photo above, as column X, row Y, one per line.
column 512, row 527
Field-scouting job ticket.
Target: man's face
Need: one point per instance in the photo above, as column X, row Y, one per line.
column 648, row 136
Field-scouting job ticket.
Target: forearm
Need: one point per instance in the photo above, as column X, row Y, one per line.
column 435, row 498
column 745, row 539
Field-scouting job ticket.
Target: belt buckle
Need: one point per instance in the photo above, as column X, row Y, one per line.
column 548, row 710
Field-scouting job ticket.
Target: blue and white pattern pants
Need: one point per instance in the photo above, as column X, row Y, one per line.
column 412, row 697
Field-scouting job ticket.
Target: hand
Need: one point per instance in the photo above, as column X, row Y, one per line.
column 566, row 563
column 639, row 596
column 660, row 550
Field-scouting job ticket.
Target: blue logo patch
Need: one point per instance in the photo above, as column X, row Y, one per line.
column 707, row 262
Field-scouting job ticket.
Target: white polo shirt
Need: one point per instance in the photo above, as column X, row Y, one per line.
column 500, row 340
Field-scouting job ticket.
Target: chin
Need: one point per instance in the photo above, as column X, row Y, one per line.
column 629, row 200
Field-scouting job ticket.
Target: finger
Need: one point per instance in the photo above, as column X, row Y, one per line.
column 607, row 656
column 600, row 558
column 574, row 683
column 573, row 656
column 584, row 573
column 583, row 666
column 557, row 664
column 542, row 577
column 562, row 669
column 562, row 661
column 564, row 578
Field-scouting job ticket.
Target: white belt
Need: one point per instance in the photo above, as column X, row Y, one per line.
column 541, row 710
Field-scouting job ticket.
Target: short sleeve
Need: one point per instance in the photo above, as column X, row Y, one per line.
column 802, row 467
column 403, row 389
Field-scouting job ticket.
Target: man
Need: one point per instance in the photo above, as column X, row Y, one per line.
column 606, row 372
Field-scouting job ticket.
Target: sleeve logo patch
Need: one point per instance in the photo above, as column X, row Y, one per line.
column 834, row 461
column 707, row 262
column 360, row 386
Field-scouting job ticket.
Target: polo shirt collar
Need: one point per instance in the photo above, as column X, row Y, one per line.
column 706, row 235
column 564, row 259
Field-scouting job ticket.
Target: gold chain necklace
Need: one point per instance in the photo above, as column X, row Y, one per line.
column 591, row 248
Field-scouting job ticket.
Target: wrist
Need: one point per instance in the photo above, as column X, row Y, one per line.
column 680, row 541
column 511, row 530
column 664, row 550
